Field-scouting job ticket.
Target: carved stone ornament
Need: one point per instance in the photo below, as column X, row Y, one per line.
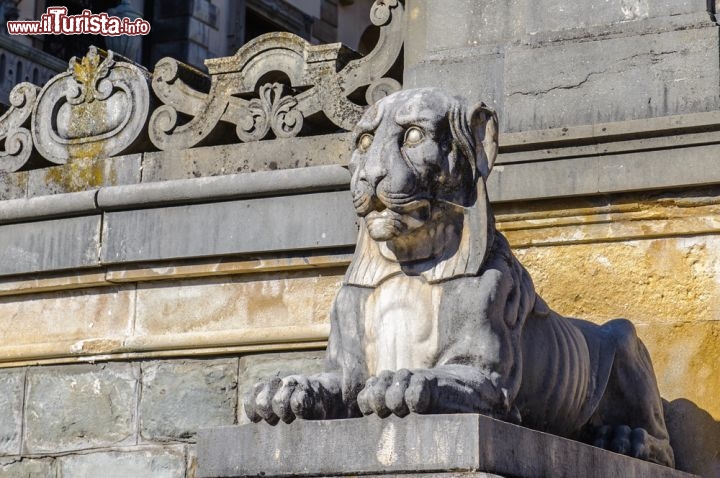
column 436, row 315
column 97, row 108
column 275, row 83
column 18, row 147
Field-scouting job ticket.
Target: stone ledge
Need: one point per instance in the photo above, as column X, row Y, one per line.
column 434, row 445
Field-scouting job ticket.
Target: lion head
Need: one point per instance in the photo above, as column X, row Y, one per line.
column 418, row 180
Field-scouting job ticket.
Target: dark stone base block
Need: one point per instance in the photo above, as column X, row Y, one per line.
column 415, row 446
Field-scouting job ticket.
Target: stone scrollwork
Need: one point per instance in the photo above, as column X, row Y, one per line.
column 380, row 13
column 18, row 148
column 272, row 111
column 97, row 108
column 273, row 84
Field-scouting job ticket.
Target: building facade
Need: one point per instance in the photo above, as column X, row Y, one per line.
column 167, row 242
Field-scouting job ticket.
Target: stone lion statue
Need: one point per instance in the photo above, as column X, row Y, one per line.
column 436, row 315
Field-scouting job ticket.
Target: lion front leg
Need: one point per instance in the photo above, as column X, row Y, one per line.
column 443, row 389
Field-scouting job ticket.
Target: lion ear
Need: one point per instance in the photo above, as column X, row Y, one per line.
column 483, row 123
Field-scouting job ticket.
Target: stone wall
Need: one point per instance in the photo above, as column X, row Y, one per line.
column 125, row 418
column 554, row 63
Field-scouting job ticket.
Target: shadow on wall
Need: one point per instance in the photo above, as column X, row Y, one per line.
column 694, row 436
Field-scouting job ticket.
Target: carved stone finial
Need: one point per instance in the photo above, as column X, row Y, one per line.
column 436, row 315
column 90, row 75
column 97, row 108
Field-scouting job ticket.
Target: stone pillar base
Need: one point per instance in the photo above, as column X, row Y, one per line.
column 416, row 446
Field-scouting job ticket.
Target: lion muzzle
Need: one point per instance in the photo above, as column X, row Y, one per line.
column 389, row 221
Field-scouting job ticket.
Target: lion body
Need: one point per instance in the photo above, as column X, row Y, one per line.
column 436, row 315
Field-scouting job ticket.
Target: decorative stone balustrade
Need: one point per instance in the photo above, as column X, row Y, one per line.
column 278, row 85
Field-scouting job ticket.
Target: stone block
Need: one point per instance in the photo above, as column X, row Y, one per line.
column 178, row 397
column 469, row 23
column 77, row 407
column 417, row 444
column 247, row 157
column 605, row 173
column 145, row 463
column 254, row 368
column 611, row 79
column 56, row 244
column 84, row 174
column 234, row 227
column 230, row 303
column 70, row 317
column 553, row 15
column 544, row 179
column 28, row 468
column 475, row 74
column 11, row 402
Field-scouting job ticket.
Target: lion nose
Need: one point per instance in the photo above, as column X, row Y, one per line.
column 373, row 175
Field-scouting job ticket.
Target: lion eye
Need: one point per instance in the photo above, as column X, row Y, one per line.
column 364, row 142
column 413, row 136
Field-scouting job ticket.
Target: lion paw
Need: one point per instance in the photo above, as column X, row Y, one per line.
column 398, row 392
column 296, row 396
column 635, row 442
column 428, row 391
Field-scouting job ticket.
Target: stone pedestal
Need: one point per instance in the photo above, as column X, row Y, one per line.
column 428, row 446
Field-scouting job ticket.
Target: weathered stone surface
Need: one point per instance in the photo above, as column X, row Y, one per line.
column 223, row 188
column 80, row 406
column 473, row 24
column 253, row 368
column 612, row 173
column 416, row 443
column 610, row 79
column 12, row 387
column 242, row 158
column 241, row 302
column 58, row 244
column 84, row 174
column 179, row 397
column 233, row 227
column 592, row 62
column 653, row 282
column 13, row 185
column 72, row 316
column 47, row 207
column 28, row 468
column 145, row 463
